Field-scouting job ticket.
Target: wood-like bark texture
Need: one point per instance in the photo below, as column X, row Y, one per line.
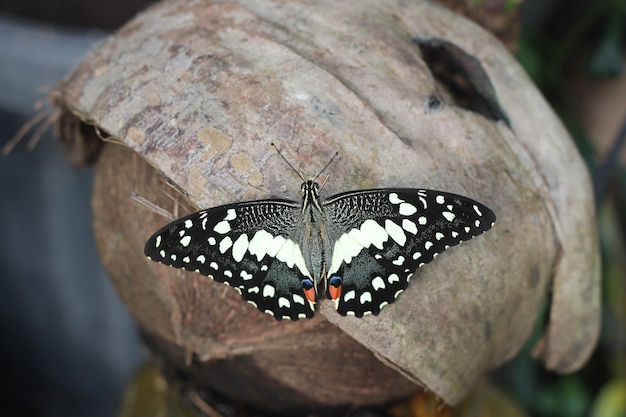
column 410, row 95
column 203, row 328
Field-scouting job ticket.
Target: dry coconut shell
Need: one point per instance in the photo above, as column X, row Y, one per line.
column 190, row 94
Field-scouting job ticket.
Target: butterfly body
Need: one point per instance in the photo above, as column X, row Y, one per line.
column 362, row 246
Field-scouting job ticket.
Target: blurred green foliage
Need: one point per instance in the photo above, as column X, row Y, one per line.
column 588, row 35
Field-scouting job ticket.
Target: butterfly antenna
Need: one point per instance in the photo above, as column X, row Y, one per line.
column 298, row 173
column 324, row 169
column 324, row 182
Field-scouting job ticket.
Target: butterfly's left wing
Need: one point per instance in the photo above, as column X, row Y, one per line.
column 251, row 246
column 380, row 237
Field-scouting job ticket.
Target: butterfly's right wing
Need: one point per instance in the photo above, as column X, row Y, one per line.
column 380, row 237
column 249, row 246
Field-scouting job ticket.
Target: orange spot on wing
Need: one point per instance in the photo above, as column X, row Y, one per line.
column 309, row 294
column 334, row 292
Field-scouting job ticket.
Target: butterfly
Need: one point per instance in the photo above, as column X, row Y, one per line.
column 364, row 245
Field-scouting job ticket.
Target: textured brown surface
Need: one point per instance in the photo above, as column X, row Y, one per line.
column 200, row 89
column 186, row 315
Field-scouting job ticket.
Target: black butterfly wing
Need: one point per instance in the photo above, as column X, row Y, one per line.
column 249, row 246
column 380, row 237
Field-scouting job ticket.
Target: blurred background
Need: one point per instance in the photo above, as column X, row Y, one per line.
column 68, row 347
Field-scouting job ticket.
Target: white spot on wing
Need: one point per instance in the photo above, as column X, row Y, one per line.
column 277, row 243
column 225, row 244
column 393, row 278
column 260, row 243
column 428, row 244
column 360, row 237
column 201, row 259
column 253, row 290
column 406, row 209
column 374, row 232
column 394, row 199
column 290, row 254
column 285, row 252
column 422, row 220
column 439, row 236
column 477, row 210
column 283, row 302
column 211, row 241
column 298, row 260
column 378, row 283
column 269, row 291
column 366, row 297
column 345, row 249
column 350, row 295
column 157, row 242
column 188, row 224
column 409, row 226
column 440, row 199
column 185, row 241
column 239, row 247
column 448, row 215
column 213, row 265
column 245, row 275
column 222, row 227
column 297, row 298
column 395, row 232
column 230, row 214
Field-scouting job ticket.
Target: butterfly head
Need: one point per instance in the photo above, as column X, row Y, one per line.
column 310, row 187
column 310, row 195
